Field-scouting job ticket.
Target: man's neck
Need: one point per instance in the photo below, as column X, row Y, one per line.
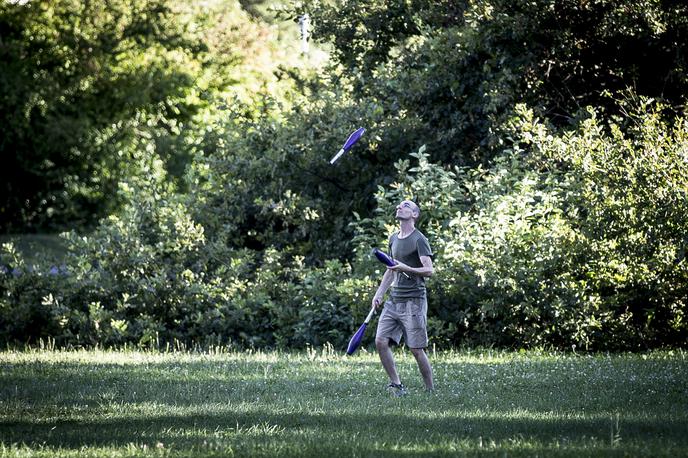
column 406, row 227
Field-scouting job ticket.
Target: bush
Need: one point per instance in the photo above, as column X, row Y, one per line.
column 571, row 239
column 151, row 278
column 629, row 212
column 567, row 239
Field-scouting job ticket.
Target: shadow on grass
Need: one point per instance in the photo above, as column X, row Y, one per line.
column 217, row 404
column 262, row 425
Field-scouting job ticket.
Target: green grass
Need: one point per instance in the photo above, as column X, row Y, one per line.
column 319, row 403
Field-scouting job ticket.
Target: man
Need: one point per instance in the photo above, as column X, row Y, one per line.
column 405, row 312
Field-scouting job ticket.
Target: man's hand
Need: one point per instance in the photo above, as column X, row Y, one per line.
column 400, row 267
column 425, row 271
column 377, row 300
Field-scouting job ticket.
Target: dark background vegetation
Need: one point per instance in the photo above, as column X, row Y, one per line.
column 182, row 153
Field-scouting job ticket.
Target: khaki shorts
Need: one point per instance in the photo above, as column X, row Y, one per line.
column 406, row 318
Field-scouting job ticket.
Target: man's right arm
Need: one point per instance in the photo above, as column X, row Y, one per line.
column 387, row 279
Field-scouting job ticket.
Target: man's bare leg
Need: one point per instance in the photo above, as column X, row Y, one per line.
column 387, row 359
column 424, row 366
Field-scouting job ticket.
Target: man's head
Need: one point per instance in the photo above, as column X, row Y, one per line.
column 408, row 210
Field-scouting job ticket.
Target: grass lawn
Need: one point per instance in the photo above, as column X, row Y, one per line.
column 320, row 403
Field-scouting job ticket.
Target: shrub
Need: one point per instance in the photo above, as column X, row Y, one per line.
column 574, row 238
column 569, row 239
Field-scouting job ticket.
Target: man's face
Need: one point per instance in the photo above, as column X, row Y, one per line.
column 407, row 210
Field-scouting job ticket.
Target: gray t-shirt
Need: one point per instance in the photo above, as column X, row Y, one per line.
column 409, row 250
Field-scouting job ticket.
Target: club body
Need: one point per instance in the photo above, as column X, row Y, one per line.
column 355, row 341
column 351, row 141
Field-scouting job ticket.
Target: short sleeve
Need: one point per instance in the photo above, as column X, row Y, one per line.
column 423, row 247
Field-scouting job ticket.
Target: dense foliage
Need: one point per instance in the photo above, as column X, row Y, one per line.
column 546, row 147
column 92, row 92
column 458, row 68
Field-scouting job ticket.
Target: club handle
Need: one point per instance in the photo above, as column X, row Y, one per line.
column 337, row 156
column 370, row 315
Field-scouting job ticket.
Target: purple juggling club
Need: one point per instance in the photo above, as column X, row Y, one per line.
column 353, row 138
column 386, row 259
column 355, row 341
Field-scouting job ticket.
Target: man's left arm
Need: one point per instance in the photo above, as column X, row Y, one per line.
column 425, row 271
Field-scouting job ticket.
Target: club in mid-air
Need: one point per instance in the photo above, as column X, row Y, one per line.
column 355, row 341
column 353, row 138
column 386, row 259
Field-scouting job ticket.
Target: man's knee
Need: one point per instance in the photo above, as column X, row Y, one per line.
column 417, row 352
column 381, row 343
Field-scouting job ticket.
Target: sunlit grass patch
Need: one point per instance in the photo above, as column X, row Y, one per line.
column 320, row 403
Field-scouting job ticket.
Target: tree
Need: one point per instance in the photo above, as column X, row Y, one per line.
column 459, row 68
column 82, row 84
